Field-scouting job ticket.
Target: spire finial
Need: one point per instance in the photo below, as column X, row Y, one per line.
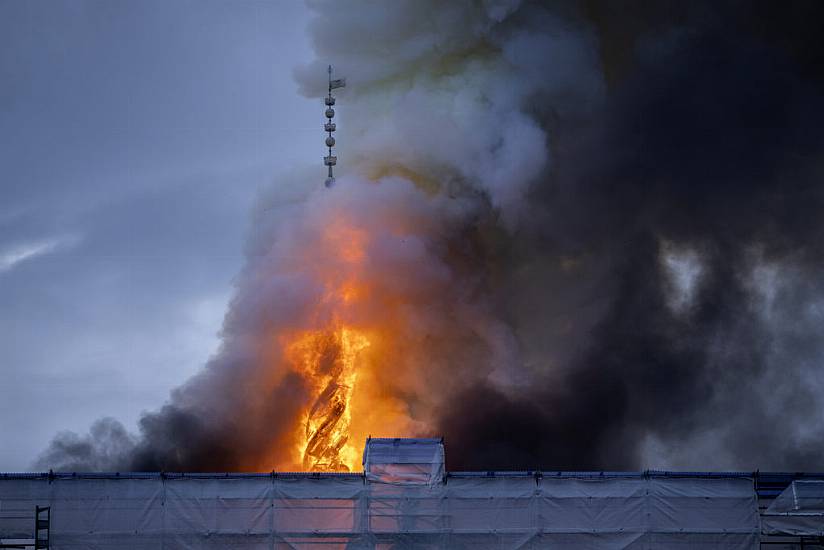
column 330, row 127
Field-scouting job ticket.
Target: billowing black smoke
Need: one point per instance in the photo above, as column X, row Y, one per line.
column 597, row 230
column 709, row 151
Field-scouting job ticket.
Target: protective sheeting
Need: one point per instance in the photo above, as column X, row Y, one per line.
column 407, row 461
column 798, row 510
column 349, row 511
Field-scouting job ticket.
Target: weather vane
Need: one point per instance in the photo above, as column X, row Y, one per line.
column 331, row 160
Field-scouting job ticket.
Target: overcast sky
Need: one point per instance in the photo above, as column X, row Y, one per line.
column 135, row 137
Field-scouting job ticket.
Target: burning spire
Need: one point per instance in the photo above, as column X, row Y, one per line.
column 329, row 160
column 328, row 359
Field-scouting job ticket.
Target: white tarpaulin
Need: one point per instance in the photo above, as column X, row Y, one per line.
column 798, row 510
column 504, row 510
column 406, row 461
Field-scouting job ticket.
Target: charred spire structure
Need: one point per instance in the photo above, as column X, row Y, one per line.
column 330, row 160
column 329, row 358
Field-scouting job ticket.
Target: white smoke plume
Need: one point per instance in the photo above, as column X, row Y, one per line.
column 448, row 91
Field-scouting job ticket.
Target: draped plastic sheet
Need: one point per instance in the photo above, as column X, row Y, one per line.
column 400, row 460
column 798, row 510
column 257, row 512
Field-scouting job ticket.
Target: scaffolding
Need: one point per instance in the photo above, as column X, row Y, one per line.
column 487, row 510
column 406, row 499
column 18, row 539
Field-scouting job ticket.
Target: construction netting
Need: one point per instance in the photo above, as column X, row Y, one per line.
column 348, row 511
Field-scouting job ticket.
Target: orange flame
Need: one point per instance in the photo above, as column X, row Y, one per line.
column 340, row 354
column 328, row 360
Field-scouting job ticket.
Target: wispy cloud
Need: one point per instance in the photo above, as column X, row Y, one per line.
column 16, row 254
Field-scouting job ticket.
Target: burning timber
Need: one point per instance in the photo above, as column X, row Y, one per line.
column 328, row 360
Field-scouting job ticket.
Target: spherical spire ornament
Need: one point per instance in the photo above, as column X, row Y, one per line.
column 330, row 141
column 330, row 112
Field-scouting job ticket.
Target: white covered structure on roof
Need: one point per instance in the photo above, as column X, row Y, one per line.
column 408, row 461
